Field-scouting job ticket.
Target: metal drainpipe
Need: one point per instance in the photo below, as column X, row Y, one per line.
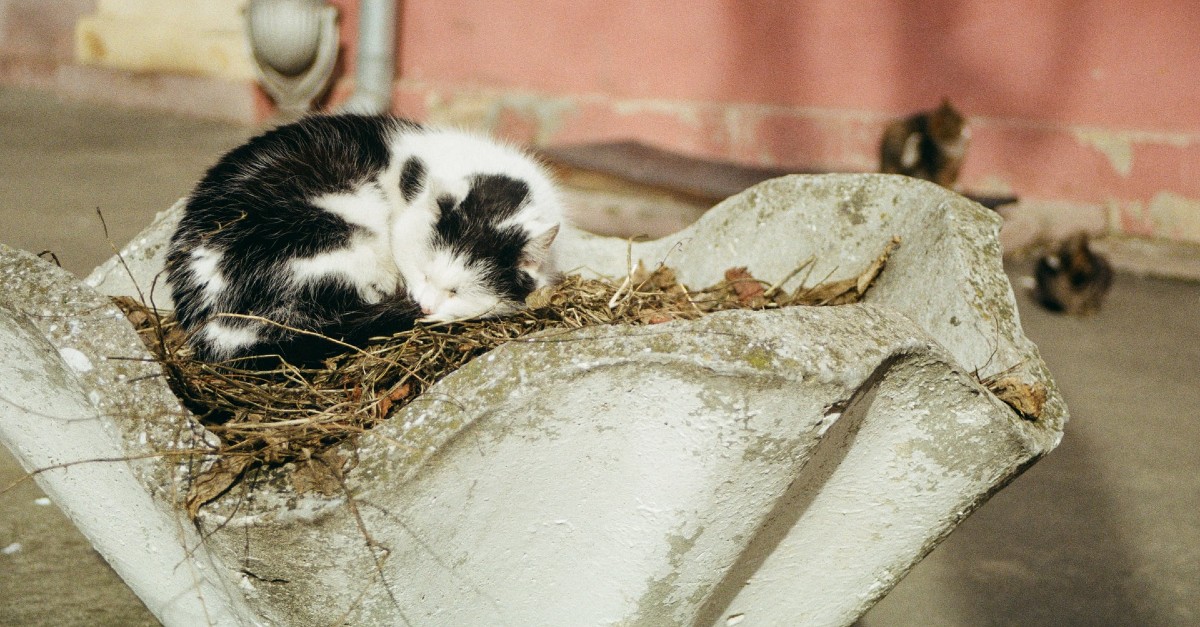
column 376, row 58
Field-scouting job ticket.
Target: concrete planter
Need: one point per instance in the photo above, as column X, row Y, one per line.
column 783, row 467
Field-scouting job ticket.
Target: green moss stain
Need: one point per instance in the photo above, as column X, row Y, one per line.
column 665, row 343
column 657, row 604
column 759, row 359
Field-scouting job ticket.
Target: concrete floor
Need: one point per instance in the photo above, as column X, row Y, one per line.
column 1104, row 531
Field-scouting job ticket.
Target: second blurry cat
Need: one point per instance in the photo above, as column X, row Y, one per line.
column 929, row 145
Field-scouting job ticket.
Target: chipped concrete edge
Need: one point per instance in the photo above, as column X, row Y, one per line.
column 86, row 394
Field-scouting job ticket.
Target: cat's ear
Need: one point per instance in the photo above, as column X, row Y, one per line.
column 537, row 250
column 441, row 199
column 445, row 204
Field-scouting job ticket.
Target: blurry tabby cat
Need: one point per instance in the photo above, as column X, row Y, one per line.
column 928, row 145
column 1072, row 279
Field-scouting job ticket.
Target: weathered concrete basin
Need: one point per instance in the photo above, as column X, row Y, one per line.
column 783, row 467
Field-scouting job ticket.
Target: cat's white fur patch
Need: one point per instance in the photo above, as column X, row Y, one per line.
column 367, row 207
column 912, row 150
column 366, row 264
column 957, row 148
column 225, row 339
column 410, row 231
column 451, row 159
column 204, row 267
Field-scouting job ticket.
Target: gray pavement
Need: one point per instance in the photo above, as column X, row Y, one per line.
column 1104, row 531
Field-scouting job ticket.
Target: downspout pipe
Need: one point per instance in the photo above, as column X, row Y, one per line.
column 376, row 58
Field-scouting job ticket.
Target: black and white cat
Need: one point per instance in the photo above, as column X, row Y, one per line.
column 350, row 226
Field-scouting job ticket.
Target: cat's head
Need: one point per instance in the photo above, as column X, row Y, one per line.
column 946, row 124
column 485, row 254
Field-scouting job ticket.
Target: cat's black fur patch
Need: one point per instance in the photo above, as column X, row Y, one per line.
column 472, row 229
column 412, row 178
column 445, row 203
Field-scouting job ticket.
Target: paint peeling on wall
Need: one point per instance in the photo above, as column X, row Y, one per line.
column 1119, row 146
column 1115, row 146
column 1167, row 215
column 1175, row 217
column 513, row 115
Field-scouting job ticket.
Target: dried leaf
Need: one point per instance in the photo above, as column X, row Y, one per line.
column 832, row 293
column 400, row 392
column 140, row 317
column 845, row 291
column 1027, row 399
column 540, row 298
column 662, row 279
column 747, row 288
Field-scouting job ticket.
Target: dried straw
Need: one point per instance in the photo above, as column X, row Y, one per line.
column 293, row 414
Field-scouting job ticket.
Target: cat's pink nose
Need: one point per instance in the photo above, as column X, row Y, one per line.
column 425, row 310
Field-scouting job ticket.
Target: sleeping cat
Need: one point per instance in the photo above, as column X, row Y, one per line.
column 1073, row 278
column 929, row 145
column 349, row 227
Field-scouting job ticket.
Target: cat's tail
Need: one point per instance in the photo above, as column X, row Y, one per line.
column 391, row 315
column 310, row 341
column 350, row 329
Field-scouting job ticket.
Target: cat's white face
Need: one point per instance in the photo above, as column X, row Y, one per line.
column 448, row 288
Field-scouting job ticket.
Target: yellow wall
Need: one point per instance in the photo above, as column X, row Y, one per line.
column 204, row 38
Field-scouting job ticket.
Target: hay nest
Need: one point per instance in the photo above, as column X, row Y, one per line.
column 293, row 414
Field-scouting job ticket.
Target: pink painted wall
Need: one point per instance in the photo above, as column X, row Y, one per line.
column 1087, row 102
column 1069, row 62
